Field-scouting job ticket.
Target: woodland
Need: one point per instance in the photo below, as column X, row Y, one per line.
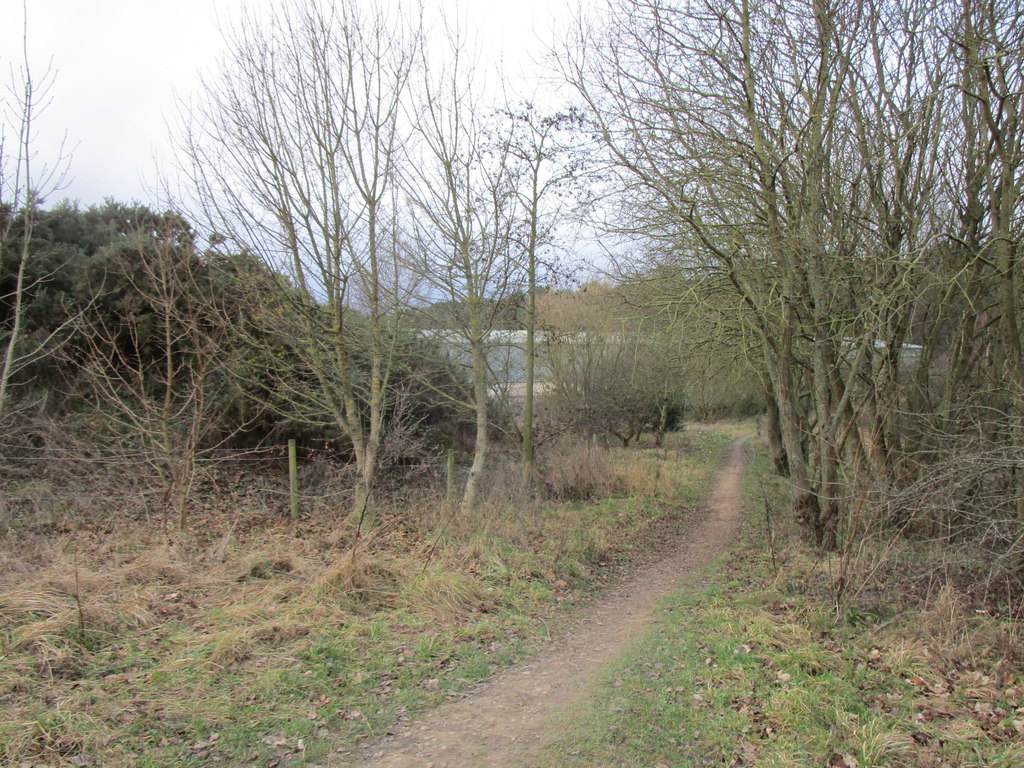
column 810, row 216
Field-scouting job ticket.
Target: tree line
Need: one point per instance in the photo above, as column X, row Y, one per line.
column 849, row 174
column 139, row 338
column 823, row 195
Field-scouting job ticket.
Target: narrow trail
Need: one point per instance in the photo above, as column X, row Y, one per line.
column 506, row 720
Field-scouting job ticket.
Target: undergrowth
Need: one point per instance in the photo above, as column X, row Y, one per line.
column 261, row 640
column 774, row 665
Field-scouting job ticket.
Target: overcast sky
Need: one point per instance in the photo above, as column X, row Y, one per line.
column 121, row 66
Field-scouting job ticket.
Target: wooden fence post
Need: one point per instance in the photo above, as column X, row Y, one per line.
column 293, row 478
column 449, row 496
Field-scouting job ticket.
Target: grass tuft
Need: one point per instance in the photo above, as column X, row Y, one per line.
column 361, row 579
column 443, row 594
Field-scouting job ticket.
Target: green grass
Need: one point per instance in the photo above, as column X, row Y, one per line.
column 193, row 662
column 759, row 668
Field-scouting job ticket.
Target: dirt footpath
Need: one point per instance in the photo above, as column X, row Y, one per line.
column 504, row 722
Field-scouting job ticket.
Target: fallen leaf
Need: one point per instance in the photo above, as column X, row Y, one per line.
column 836, row 760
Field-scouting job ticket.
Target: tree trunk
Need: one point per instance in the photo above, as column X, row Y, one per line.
column 531, row 325
column 773, row 432
column 479, row 363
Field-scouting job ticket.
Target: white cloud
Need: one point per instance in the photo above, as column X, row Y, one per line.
column 120, row 65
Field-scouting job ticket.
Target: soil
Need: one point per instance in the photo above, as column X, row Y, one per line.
column 506, row 720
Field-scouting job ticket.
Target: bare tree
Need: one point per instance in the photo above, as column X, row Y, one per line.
column 158, row 371
column 23, row 185
column 544, row 166
column 294, row 153
column 990, row 52
column 467, row 212
column 789, row 149
column 615, row 366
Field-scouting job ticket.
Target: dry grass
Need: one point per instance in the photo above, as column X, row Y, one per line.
column 361, row 579
column 759, row 670
column 123, row 646
column 574, row 471
column 733, row 429
column 443, row 593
